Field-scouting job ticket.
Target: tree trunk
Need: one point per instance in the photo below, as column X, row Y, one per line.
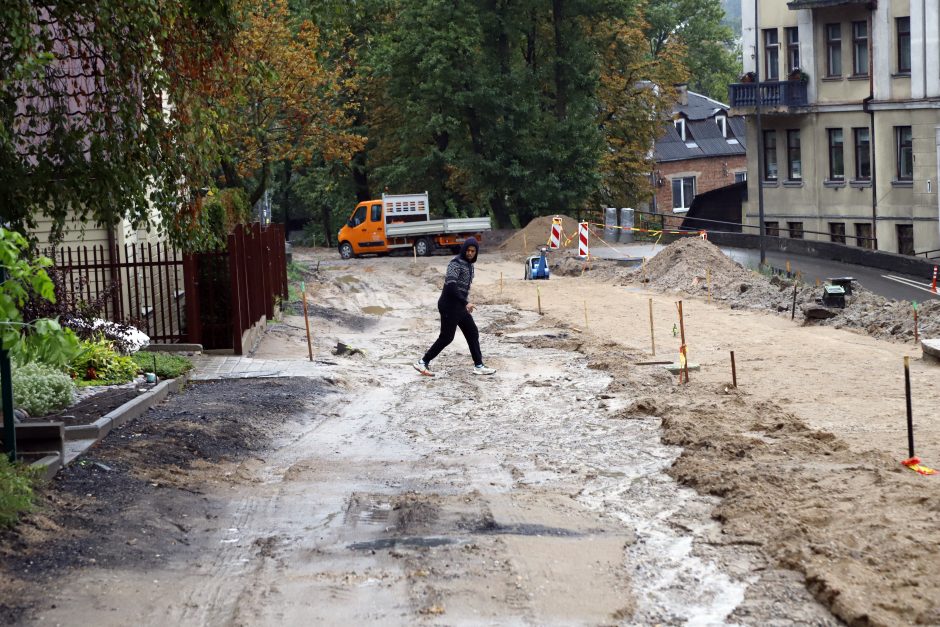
column 231, row 176
column 561, row 57
column 360, row 176
column 501, row 212
column 285, row 194
column 260, row 187
column 326, row 219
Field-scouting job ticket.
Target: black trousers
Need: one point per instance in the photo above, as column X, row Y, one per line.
column 449, row 323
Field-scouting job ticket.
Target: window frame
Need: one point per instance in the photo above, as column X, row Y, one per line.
column 909, row 228
column 375, row 212
column 899, row 147
column 857, row 41
column 791, row 133
column 686, row 203
column 837, row 235
column 679, row 123
column 722, row 122
column 830, row 132
column 770, row 149
column 856, row 131
column 795, row 230
column 867, row 242
column 772, row 228
column 833, row 50
column 771, row 50
column 793, row 47
column 900, row 37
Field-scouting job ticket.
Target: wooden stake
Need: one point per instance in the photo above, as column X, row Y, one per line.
column 586, row 325
column 915, row 323
column 415, row 250
column 652, row 335
column 910, row 416
column 538, row 294
column 682, row 348
column 500, row 282
column 793, row 313
column 525, row 244
column 708, row 283
column 303, row 296
column 788, row 268
column 734, row 372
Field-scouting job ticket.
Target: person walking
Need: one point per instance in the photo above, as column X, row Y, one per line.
column 457, row 310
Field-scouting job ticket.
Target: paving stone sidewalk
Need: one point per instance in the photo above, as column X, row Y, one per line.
column 216, row 367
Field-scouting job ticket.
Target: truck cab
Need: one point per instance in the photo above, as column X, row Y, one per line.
column 364, row 231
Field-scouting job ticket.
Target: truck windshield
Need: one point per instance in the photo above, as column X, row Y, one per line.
column 358, row 217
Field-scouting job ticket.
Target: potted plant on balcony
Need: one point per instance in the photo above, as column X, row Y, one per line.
column 796, row 74
column 748, row 77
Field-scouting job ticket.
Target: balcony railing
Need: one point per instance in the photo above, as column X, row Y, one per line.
column 774, row 94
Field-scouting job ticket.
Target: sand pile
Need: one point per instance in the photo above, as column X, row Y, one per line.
column 689, row 265
column 527, row 241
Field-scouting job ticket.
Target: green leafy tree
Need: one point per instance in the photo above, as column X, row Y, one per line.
column 41, row 340
column 85, row 125
column 711, row 57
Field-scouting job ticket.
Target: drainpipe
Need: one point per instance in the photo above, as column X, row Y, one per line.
column 115, row 275
column 760, row 141
column 866, row 106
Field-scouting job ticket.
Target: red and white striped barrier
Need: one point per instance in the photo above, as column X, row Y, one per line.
column 933, row 287
column 583, row 240
column 554, row 238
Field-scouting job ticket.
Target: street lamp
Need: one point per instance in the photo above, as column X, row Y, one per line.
column 760, row 141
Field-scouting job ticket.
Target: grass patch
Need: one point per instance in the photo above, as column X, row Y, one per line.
column 168, row 366
column 295, row 272
column 16, row 490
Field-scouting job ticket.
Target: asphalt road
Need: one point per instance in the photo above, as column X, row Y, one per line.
column 882, row 282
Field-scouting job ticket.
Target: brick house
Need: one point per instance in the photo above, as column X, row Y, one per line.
column 703, row 149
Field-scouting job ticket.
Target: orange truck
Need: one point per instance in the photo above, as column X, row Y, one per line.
column 402, row 221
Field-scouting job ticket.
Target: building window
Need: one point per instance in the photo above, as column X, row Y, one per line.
column 680, row 127
column 905, row 239
column 863, row 235
column 740, row 177
column 793, row 48
column 833, row 50
column 771, row 55
column 860, row 48
column 722, row 123
column 683, row 191
column 904, row 44
column 772, row 229
column 796, row 230
column 836, row 160
column 837, row 232
column 770, row 155
column 905, row 152
column 794, row 164
column 862, row 154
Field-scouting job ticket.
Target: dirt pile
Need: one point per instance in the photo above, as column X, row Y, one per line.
column 526, row 241
column 697, row 267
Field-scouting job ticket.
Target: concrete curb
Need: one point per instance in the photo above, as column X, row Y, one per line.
column 931, row 349
column 89, row 435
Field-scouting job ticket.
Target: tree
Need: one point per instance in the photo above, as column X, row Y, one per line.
column 284, row 104
column 711, row 55
column 84, row 124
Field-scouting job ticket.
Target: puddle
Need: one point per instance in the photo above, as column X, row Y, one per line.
column 390, row 543
column 376, row 310
column 347, row 278
column 525, row 529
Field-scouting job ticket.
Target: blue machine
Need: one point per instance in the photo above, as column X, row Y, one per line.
column 536, row 266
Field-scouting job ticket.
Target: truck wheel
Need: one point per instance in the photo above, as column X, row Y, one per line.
column 422, row 247
column 346, row 250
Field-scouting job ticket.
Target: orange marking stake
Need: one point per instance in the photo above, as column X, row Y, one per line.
column 914, row 464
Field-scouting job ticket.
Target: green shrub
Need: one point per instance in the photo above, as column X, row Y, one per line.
column 16, row 490
column 41, row 389
column 167, row 366
column 99, row 364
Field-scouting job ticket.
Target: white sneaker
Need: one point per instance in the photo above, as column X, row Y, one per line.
column 481, row 369
column 423, row 368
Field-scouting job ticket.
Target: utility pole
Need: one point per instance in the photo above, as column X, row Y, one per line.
column 760, row 141
column 6, row 387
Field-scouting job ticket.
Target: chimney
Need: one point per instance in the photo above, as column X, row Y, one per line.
column 682, row 93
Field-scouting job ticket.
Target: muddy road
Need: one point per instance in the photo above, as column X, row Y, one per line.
column 559, row 491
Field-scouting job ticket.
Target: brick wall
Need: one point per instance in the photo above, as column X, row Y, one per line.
column 710, row 173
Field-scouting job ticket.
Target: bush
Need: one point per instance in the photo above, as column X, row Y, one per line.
column 41, row 389
column 167, row 366
column 16, row 491
column 99, row 364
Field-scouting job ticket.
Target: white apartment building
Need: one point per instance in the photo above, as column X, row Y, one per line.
column 850, row 116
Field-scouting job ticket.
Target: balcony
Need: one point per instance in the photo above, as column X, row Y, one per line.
column 775, row 96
